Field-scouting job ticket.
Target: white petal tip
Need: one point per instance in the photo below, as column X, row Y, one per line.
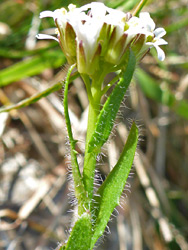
column 46, row 13
column 160, row 53
column 159, row 32
column 44, row 36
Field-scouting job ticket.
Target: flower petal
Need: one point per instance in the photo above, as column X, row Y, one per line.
column 159, row 32
column 160, row 52
column 146, row 21
column 96, row 28
column 46, row 13
column 161, row 42
column 44, row 36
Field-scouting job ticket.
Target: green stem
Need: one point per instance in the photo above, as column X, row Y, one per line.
column 90, row 158
column 78, row 182
column 139, row 7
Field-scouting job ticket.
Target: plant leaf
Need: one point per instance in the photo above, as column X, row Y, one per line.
column 36, row 97
column 31, row 66
column 20, row 54
column 109, row 111
column 80, row 237
column 177, row 25
column 110, row 191
column 152, row 89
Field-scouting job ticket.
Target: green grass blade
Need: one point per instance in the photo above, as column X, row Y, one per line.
column 122, row 4
column 109, row 111
column 139, row 7
column 109, row 193
column 152, row 89
column 36, row 97
column 80, row 237
column 31, row 66
column 177, row 25
column 20, row 54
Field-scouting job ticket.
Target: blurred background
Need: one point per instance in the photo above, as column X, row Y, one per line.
column 35, row 207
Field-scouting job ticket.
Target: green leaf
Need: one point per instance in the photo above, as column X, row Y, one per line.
column 177, row 25
column 152, row 89
column 109, row 111
column 124, row 5
column 36, row 97
column 181, row 108
column 31, row 66
column 80, row 237
column 110, row 191
column 19, row 54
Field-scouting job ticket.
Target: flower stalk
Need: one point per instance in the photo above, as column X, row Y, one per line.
column 90, row 158
column 80, row 192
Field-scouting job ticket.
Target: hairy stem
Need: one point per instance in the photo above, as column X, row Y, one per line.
column 78, row 182
column 90, row 158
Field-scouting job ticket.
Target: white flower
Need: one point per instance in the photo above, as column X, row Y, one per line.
column 145, row 25
column 160, row 32
column 97, row 37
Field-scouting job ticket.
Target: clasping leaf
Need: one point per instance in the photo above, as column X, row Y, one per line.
column 109, row 111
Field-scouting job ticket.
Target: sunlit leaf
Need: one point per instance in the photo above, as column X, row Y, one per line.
column 110, row 191
column 153, row 90
column 31, row 66
column 80, row 237
column 109, row 111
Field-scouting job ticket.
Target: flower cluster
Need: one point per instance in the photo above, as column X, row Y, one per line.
column 98, row 38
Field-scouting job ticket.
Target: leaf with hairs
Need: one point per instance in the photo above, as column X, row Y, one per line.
column 80, row 237
column 110, row 109
column 109, row 193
